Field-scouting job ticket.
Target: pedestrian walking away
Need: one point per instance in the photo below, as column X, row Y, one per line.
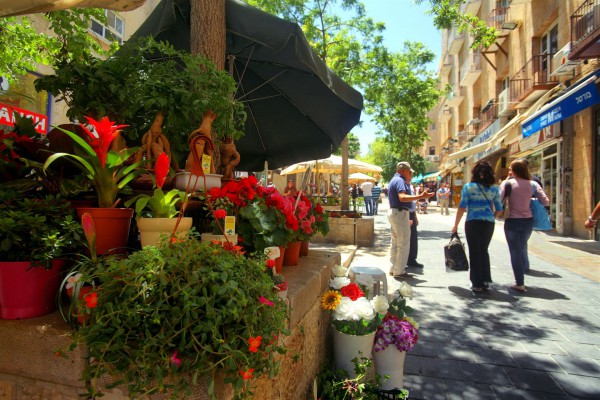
column 481, row 200
column 401, row 198
column 518, row 226
column 443, row 195
column 375, row 195
column 367, row 194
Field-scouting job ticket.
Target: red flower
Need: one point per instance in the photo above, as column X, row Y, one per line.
column 219, row 213
column 352, row 290
column 91, row 299
column 270, row 263
column 88, row 229
column 175, row 360
column 265, row 301
column 161, row 169
column 319, row 209
column 247, row 374
column 107, row 131
column 254, row 344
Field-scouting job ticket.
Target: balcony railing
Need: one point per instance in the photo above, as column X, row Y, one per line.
column 533, row 77
column 585, row 31
column 470, row 69
column 497, row 17
column 455, row 40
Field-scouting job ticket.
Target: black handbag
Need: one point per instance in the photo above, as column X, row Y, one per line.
column 454, row 253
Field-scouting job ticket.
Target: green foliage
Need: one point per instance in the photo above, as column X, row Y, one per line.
column 23, row 47
column 353, row 146
column 143, row 78
column 159, row 205
column 36, row 230
column 190, row 301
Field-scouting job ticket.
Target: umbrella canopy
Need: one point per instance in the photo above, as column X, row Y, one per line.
column 360, row 177
column 298, row 109
column 331, row 165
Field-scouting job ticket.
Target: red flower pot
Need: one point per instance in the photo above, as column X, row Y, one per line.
column 28, row 292
column 112, row 228
column 292, row 253
column 304, row 248
column 279, row 260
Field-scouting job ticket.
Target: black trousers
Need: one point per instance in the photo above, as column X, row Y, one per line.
column 479, row 235
column 414, row 236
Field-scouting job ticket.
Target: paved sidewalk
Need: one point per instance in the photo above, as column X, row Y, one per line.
column 543, row 344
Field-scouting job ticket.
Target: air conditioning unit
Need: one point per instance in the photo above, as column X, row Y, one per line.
column 432, row 158
column 503, row 102
column 561, row 65
column 435, row 158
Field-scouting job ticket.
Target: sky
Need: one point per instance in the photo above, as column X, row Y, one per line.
column 404, row 21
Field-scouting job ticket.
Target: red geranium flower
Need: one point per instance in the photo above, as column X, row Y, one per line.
column 247, row 374
column 220, row 213
column 91, row 300
column 254, row 344
column 270, row 263
column 352, row 291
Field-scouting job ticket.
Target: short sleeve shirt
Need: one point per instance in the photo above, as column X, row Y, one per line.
column 398, row 185
column 478, row 201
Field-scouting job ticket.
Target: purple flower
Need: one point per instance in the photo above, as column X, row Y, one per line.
column 399, row 332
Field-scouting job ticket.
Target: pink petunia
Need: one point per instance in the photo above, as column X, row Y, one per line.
column 265, row 301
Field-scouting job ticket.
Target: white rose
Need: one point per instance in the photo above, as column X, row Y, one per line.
column 363, row 309
column 339, row 270
column 343, row 310
column 405, row 290
column 380, row 304
column 339, row 282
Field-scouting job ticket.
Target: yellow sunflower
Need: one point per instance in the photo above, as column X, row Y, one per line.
column 330, row 300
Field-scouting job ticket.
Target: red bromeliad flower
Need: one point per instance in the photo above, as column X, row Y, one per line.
column 107, row 131
column 352, row 291
column 254, row 344
column 161, row 169
column 247, row 374
column 91, row 300
column 89, row 229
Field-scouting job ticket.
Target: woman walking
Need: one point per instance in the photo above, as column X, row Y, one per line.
column 519, row 224
column 481, row 200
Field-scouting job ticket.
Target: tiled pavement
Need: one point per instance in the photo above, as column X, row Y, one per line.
column 543, row 344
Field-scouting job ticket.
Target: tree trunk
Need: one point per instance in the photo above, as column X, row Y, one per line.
column 344, row 183
column 207, row 37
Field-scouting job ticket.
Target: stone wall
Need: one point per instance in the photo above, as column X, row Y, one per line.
column 30, row 368
column 358, row 231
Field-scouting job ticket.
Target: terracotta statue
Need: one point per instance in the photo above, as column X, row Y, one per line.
column 201, row 143
column 154, row 142
column 230, row 158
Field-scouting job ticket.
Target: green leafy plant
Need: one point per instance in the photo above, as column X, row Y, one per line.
column 160, row 204
column 36, row 230
column 107, row 169
column 166, row 315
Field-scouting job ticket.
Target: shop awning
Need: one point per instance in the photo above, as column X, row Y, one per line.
column 580, row 96
column 474, row 149
column 432, row 176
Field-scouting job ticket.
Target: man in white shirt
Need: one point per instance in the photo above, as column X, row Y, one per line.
column 366, row 189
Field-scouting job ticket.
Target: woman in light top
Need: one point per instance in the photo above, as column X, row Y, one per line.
column 519, row 223
column 480, row 198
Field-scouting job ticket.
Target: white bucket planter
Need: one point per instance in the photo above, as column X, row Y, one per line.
column 196, row 185
column 346, row 347
column 390, row 361
column 151, row 229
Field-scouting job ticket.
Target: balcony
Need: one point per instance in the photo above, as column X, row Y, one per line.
column 488, row 115
column 455, row 40
column 446, row 65
column 445, row 114
column 470, row 7
column 585, row 31
column 470, row 70
column 498, row 17
column 454, row 98
column 532, row 81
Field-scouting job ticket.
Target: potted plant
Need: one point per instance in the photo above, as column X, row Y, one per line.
column 397, row 334
column 156, row 213
column 279, row 282
column 355, row 320
column 165, row 315
column 109, row 173
column 34, row 235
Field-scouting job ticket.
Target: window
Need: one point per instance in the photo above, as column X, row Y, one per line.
column 113, row 31
column 432, row 151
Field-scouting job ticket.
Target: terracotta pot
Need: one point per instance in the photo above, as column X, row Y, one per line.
column 279, row 260
column 304, row 248
column 151, row 229
column 112, row 228
column 292, row 253
column 28, row 292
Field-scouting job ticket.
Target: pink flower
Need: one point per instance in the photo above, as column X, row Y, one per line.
column 161, row 169
column 107, row 131
column 266, row 301
column 175, row 360
column 89, row 229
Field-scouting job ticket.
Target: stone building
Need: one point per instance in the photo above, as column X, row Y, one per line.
column 532, row 94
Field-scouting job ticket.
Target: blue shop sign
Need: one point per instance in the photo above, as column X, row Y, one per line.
column 582, row 96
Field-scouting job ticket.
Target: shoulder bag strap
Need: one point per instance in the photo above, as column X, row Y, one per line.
column 488, row 200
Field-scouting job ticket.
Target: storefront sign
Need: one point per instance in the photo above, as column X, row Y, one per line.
column 7, row 117
column 486, row 135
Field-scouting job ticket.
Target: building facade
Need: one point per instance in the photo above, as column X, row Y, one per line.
column 532, row 94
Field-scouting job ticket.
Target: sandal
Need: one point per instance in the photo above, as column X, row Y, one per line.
column 518, row 288
column 477, row 289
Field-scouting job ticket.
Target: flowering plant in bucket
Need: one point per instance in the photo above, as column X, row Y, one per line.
column 107, row 169
column 397, row 328
column 160, row 204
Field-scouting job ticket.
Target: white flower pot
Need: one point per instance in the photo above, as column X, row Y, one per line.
column 390, row 361
column 346, row 347
column 151, row 229
column 196, row 185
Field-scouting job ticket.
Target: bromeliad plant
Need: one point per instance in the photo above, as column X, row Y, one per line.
column 160, row 204
column 108, row 170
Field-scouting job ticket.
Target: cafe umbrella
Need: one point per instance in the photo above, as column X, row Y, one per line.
column 297, row 108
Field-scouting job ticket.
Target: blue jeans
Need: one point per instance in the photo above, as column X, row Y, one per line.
column 368, row 205
column 517, row 232
column 375, row 205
